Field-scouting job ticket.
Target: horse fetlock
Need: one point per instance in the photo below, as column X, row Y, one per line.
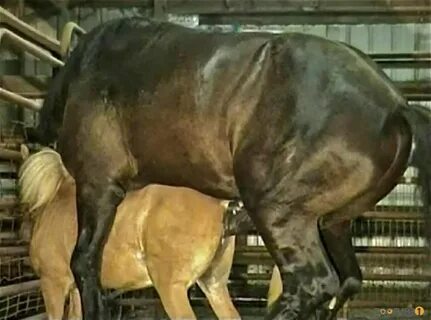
column 350, row 287
column 287, row 307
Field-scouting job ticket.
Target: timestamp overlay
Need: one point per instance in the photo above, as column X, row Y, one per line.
column 416, row 312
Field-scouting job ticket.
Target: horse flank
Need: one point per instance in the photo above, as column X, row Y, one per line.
column 39, row 179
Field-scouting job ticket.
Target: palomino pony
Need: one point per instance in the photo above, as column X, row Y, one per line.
column 307, row 132
column 169, row 246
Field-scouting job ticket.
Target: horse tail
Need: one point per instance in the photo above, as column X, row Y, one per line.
column 419, row 119
column 54, row 106
column 39, row 179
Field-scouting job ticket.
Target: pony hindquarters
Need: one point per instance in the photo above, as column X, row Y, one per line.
column 183, row 235
column 180, row 225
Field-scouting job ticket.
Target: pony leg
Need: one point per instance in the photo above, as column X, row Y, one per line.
column 96, row 204
column 75, row 312
column 175, row 301
column 54, row 294
column 220, row 300
column 214, row 281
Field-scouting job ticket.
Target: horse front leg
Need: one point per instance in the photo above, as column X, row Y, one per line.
column 96, row 205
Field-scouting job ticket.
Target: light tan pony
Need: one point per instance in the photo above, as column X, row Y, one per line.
column 166, row 237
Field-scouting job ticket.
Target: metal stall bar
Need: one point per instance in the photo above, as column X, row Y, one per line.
column 20, row 100
column 8, row 19
column 304, row 11
column 19, row 288
column 41, row 316
column 14, row 251
column 30, row 47
column 35, row 51
column 402, row 60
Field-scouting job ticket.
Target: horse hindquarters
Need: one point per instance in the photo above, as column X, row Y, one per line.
column 335, row 181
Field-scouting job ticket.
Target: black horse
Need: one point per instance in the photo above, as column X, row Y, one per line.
column 302, row 129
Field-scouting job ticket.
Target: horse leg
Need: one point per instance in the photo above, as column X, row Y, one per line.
column 336, row 235
column 307, row 275
column 338, row 242
column 96, row 204
column 175, row 300
column 94, row 152
column 214, row 281
column 54, row 294
column 75, row 312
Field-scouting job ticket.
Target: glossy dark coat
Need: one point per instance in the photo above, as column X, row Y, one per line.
column 302, row 129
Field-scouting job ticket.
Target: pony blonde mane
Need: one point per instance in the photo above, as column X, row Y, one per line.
column 40, row 177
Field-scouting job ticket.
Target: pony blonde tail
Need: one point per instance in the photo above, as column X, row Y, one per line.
column 40, row 178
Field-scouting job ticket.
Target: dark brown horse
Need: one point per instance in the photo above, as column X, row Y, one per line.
column 302, row 129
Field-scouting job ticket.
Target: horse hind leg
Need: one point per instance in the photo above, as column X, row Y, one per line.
column 101, row 181
column 335, row 226
column 307, row 275
column 338, row 243
column 337, row 238
column 96, row 204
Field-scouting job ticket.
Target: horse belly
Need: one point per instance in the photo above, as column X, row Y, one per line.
column 193, row 153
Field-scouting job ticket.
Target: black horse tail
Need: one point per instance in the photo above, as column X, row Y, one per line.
column 51, row 114
column 419, row 119
column 89, row 45
column 53, row 108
